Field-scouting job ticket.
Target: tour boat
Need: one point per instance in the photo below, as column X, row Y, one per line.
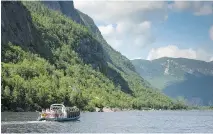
column 58, row 112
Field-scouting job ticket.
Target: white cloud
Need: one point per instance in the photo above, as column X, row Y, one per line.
column 132, row 20
column 175, row 52
column 132, row 28
column 181, row 5
column 116, row 43
column 137, row 35
column 203, row 55
column 211, row 33
column 113, row 11
column 171, row 51
column 106, row 30
column 127, row 25
column 196, row 7
column 205, row 9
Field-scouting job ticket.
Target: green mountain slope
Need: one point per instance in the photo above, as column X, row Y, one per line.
column 191, row 79
column 115, row 60
column 49, row 58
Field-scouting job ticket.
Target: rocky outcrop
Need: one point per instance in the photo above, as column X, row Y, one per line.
column 17, row 28
column 15, row 23
column 18, row 109
column 66, row 7
column 97, row 109
column 107, row 109
column 116, row 110
column 54, row 5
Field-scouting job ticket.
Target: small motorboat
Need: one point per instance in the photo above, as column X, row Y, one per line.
column 58, row 112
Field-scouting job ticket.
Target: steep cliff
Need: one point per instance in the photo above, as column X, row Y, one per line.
column 121, row 69
column 14, row 15
column 59, row 60
column 66, row 7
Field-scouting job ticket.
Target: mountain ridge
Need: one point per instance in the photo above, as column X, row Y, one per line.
column 179, row 77
column 112, row 56
column 32, row 78
column 169, row 58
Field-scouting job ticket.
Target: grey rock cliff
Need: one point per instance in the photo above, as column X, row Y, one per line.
column 14, row 15
column 66, row 7
column 17, row 28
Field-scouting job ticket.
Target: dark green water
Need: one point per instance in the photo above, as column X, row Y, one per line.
column 119, row 122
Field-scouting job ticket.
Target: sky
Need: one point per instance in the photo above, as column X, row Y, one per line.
column 154, row 29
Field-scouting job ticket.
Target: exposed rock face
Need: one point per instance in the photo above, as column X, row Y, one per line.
column 88, row 52
column 66, row 7
column 18, row 109
column 97, row 109
column 17, row 27
column 20, row 30
column 54, row 5
column 88, row 21
column 106, row 109
column 14, row 15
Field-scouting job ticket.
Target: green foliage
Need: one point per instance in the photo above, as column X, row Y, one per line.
column 140, row 87
column 32, row 82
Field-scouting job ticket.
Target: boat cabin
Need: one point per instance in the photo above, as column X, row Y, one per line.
column 60, row 112
column 57, row 107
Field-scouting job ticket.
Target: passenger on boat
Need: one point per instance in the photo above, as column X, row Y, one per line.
column 47, row 110
column 43, row 111
column 56, row 114
column 59, row 113
column 51, row 113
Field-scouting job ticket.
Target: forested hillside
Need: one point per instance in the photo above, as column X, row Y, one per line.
column 49, row 58
column 191, row 79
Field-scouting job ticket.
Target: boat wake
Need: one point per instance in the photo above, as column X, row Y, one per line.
column 21, row 122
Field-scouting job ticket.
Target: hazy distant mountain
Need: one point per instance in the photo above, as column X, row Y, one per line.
column 192, row 79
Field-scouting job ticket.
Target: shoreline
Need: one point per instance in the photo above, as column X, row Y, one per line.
column 117, row 111
column 107, row 110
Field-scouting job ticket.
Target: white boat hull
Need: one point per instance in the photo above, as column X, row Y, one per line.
column 59, row 119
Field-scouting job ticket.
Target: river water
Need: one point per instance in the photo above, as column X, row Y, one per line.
column 115, row 122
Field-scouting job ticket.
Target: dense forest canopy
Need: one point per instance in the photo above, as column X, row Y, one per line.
column 57, row 60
